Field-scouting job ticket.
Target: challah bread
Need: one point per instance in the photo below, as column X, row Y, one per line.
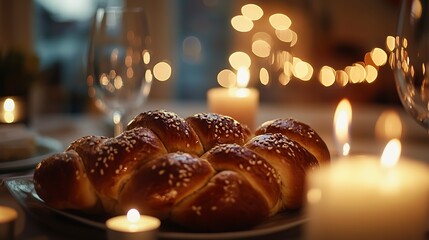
column 214, row 129
column 205, row 172
column 227, row 202
column 63, row 183
column 291, row 161
column 299, row 132
column 174, row 131
column 156, row 187
column 255, row 169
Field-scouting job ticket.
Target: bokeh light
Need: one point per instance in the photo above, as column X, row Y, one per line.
column 239, row 59
column 226, row 78
column 162, row 71
column 252, row 11
column 280, row 21
column 241, row 23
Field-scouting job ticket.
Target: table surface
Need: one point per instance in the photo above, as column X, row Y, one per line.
column 67, row 128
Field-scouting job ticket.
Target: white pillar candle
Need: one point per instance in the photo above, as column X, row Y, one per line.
column 132, row 226
column 7, row 222
column 239, row 103
column 357, row 198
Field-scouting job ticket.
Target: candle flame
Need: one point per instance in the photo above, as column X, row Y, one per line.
column 9, row 105
column 342, row 122
column 243, row 77
column 391, row 153
column 133, row 215
column 9, row 110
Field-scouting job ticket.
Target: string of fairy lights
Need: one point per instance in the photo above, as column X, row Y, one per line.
column 271, row 54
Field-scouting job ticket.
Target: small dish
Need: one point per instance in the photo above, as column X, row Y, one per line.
column 44, row 147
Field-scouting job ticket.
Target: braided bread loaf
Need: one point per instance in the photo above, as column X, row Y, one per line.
column 206, row 172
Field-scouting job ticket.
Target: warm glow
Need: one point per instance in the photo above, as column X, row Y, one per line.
column 162, row 71
column 264, row 76
column 261, row 48
column 314, row 195
column 391, row 153
column 239, row 59
column 416, row 9
column 252, row 11
column 294, row 39
column 9, row 110
column 148, row 75
column 327, row 76
column 284, row 79
column 341, row 77
column 368, row 60
column 288, row 68
column 146, row 56
column 241, row 23
column 302, row 70
column 379, row 56
column 130, row 72
column 280, row 21
column 243, row 77
column 388, row 125
column 104, row 80
column 356, row 73
column 371, row 73
column 390, row 43
column 117, row 82
column 285, row 35
column 226, row 78
column 128, row 61
column 361, row 72
column 342, row 122
column 9, row 105
column 133, row 215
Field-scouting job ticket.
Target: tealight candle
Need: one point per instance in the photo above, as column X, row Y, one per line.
column 358, row 197
column 240, row 103
column 133, row 226
column 7, row 222
column 12, row 109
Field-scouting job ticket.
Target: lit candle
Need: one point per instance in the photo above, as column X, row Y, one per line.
column 11, row 109
column 342, row 123
column 7, row 222
column 361, row 197
column 240, row 102
column 133, row 226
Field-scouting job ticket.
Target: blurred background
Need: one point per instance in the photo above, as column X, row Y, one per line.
column 44, row 43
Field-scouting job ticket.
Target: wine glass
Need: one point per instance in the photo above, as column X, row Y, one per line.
column 118, row 62
column 411, row 59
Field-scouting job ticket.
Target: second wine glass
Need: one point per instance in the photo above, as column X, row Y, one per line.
column 118, row 66
column 411, row 59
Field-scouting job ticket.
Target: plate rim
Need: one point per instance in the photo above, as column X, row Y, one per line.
column 300, row 219
column 41, row 141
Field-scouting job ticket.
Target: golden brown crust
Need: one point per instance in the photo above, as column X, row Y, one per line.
column 110, row 163
column 157, row 166
column 291, row 161
column 74, row 192
column 214, row 129
column 174, row 131
column 301, row 133
column 228, row 202
column 258, row 172
column 158, row 185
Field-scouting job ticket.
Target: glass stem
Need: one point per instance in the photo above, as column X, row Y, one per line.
column 117, row 120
